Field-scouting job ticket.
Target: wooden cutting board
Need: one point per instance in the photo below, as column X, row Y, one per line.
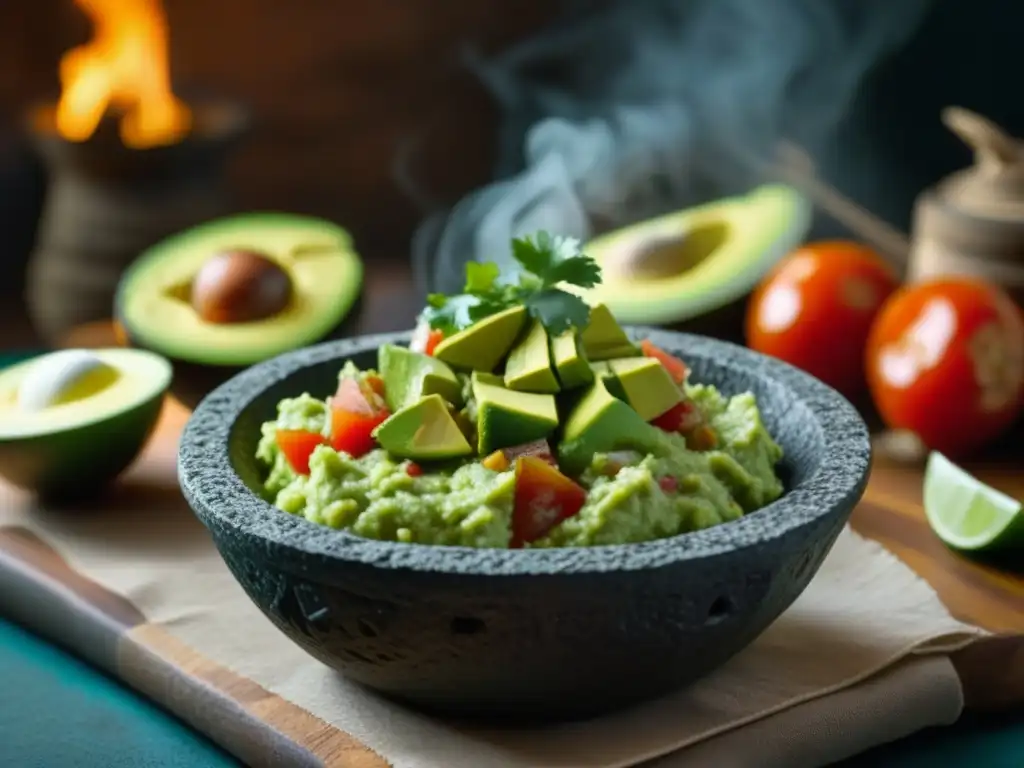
column 40, row 590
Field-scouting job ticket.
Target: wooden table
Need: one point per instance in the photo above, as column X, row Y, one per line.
column 890, row 512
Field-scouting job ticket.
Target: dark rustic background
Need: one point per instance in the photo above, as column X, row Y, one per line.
column 336, row 88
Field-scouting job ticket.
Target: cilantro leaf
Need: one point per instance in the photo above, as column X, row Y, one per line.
column 558, row 310
column 547, row 261
column 576, row 270
column 534, row 257
column 481, row 277
column 555, row 260
column 448, row 314
column 486, row 307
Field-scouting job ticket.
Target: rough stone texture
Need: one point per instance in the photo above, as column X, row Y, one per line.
column 561, row 633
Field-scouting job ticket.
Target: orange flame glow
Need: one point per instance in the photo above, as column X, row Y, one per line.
column 123, row 67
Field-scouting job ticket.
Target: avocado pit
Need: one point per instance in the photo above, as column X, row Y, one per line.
column 665, row 256
column 64, row 377
column 240, row 286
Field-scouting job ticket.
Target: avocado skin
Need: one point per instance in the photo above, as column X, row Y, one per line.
column 81, row 462
column 194, row 381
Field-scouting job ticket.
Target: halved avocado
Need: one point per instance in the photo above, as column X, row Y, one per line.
column 236, row 291
column 677, row 267
column 72, row 421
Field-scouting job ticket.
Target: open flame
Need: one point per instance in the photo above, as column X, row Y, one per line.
column 123, row 69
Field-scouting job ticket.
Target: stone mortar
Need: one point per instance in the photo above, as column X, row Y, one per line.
column 544, row 633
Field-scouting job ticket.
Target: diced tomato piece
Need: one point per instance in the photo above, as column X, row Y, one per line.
column 353, row 432
column 703, row 438
column 543, row 498
column 497, row 461
column 297, row 445
column 503, row 458
column 350, row 398
column 412, row 469
column 668, row 484
column 676, row 368
column 376, row 383
column 434, row 338
column 681, row 417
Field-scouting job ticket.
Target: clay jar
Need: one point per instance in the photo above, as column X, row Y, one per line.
column 972, row 222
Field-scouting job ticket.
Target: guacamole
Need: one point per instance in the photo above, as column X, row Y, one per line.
column 516, row 430
column 375, row 495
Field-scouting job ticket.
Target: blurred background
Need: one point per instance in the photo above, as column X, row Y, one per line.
column 378, row 114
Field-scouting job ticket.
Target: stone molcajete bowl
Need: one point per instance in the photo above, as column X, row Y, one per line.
column 543, row 633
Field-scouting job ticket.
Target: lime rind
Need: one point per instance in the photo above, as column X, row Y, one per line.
column 967, row 514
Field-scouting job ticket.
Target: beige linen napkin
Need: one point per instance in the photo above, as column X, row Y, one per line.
column 859, row 659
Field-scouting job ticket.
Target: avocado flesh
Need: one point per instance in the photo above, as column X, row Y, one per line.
column 528, row 368
column 424, row 430
column 624, row 350
column 505, row 417
column 409, row 376
column 326, row 274
column 726, row 247
column 603, row 373
column 485, row 343
column 89, row 432
column 603, row 338
column 599, row 423
column 647, row 386
column 570, row 361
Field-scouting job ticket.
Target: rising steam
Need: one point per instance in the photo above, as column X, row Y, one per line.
column 624, row 110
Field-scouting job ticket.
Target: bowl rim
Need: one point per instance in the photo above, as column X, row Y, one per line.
column 222, row 501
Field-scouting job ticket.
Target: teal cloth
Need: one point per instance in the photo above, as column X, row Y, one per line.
column 57, row 711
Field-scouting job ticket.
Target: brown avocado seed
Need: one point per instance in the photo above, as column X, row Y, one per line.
column 240, row 286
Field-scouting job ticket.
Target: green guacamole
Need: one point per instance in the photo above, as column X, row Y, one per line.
column 464, row 503
column 520, row 416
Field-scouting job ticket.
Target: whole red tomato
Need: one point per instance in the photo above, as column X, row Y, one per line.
column 945, row 361
column 814, row 309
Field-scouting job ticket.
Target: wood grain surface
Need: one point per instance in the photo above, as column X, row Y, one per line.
column 264, row 729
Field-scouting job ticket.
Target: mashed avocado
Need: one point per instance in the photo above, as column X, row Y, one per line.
column 376, row 497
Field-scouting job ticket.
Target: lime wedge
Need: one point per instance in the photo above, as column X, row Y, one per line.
column 967, row 514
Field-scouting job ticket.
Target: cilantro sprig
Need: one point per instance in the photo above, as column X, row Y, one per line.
column 547, row 261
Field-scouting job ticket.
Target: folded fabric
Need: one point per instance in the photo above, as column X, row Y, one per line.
column 860, row 658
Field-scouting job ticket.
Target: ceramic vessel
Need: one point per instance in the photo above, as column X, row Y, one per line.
column 527, row 634
column 972, row 222
column 106, row 203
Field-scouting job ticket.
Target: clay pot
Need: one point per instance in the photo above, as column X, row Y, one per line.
column 107, row 203
column 972, row 222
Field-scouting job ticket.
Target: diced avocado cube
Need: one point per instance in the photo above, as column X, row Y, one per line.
column 505, row 417
column 424, row 430
column 648, row 387
column 409, row 376
column 528, row 368
column 484, row 344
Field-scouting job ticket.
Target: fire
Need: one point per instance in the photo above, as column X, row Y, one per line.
column 122, row 69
